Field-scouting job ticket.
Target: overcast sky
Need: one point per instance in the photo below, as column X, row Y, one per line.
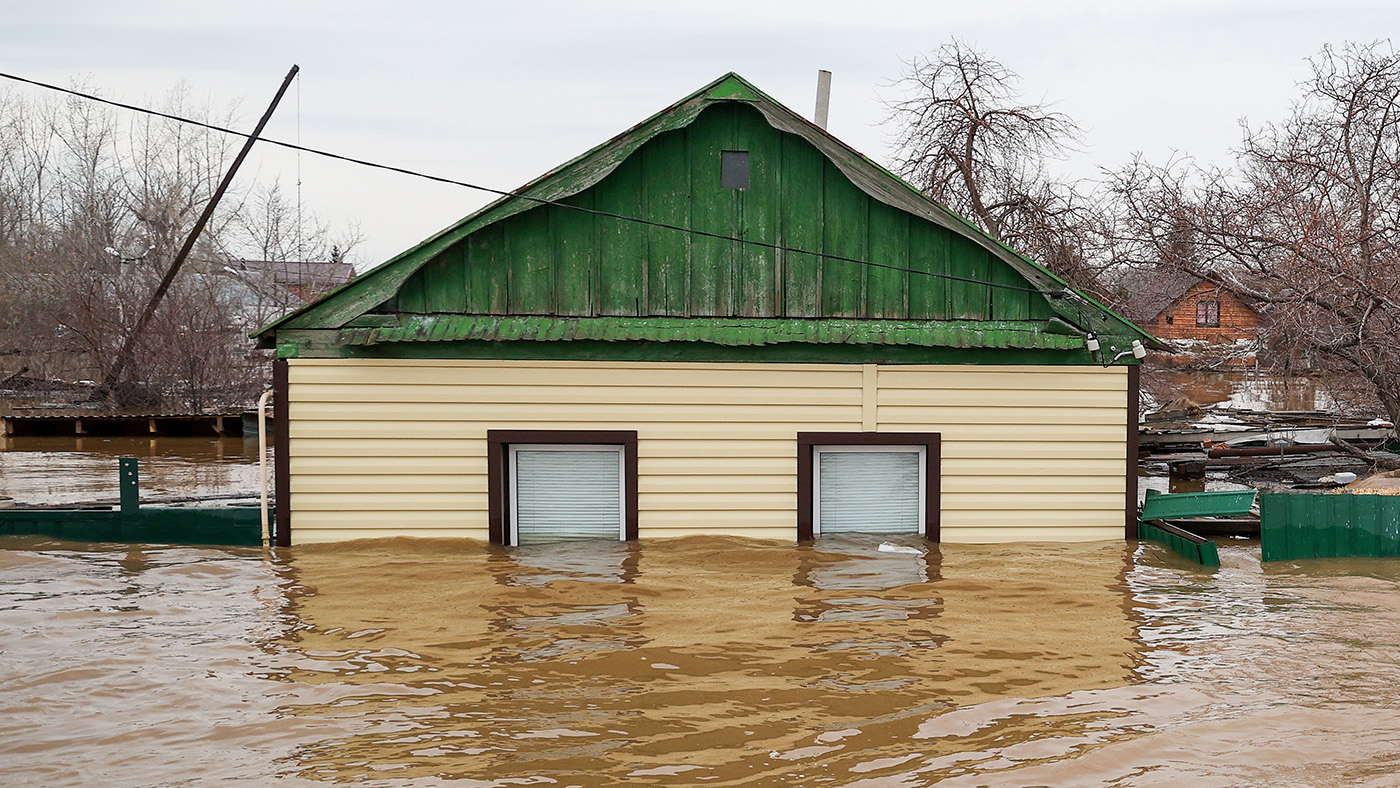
column 499, row 92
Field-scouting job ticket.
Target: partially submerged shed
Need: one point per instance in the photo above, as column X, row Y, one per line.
column 722, row 321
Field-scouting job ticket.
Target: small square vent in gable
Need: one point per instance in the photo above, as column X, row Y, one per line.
column 734, row 169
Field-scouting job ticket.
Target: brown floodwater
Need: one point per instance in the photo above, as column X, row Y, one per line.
column 695, row 661
column 67, row 469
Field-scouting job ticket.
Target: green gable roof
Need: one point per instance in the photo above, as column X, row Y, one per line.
column 383, row 289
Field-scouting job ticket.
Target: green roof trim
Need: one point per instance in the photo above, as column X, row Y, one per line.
column 732, row 86
column 356, row 298
column 731, row 332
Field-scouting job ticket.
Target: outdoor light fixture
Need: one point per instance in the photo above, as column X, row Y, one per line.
column 1136, row 349
column 1091, row 343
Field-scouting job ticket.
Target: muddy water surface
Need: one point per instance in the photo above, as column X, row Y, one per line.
column 698, row 661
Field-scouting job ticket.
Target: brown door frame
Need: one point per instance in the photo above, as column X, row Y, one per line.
column 498, row 471
column 281, row 454
column 1130, row 479
column 933, row 472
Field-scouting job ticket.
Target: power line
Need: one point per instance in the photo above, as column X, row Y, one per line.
column 1061, row 293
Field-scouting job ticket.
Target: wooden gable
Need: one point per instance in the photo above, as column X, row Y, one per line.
column 550, row 260
column 1190, row 316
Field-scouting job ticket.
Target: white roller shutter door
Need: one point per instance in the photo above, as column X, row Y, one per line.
column 566, row 492
column 868, row 489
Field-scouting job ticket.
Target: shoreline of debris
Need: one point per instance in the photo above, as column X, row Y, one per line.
column 1193, row 445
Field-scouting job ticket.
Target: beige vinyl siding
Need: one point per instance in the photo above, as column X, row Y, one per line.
column 398, row 447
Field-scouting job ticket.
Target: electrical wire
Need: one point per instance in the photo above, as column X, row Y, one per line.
column 1060, row 293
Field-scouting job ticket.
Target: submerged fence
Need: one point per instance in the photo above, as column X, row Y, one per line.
column 1183, row 543
column 1159, row 507
column 131, row 522
column 1322, row 525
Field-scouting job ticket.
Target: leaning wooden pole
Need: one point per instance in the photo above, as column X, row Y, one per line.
column 114, row 375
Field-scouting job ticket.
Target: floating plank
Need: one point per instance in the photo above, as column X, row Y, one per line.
column 1186, row 544
column 1203, row 504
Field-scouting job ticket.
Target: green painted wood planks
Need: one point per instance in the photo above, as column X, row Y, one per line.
column 548, row 260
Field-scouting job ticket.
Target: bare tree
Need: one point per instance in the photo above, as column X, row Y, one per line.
column 92, row 211
column 965, row 137
column 1309, row 223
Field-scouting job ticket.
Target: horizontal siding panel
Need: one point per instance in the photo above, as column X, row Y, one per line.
column 532, row 374
column 376, row 464
column 337, row 446
column 1003, row 501
column 1014, row 433
column 707, row 501
column 1005, row 375
column 717, row 521
column 1036, row 518
column 1003, row 398
column 783, row 444
column 711, row 465
column 466, row 430
column 407, row 519
column 1023, row 466
column 389, row 501
column 1031, row 517
column 352, row 485
column 568, row 394
column 1035, row 450
column 1034, row 484
column 1005, row 378
column 784, row 483
column 990, row 416
column 662, row 467
column 732, row 413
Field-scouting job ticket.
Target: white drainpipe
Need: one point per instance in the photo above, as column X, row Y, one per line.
column 262, row 463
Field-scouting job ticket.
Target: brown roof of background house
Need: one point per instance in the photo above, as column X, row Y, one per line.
column 1150, row 291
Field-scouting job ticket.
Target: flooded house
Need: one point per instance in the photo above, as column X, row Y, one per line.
column 1206, row 323
column 722, row 321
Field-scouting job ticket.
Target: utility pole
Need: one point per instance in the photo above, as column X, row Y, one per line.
column 114, row 375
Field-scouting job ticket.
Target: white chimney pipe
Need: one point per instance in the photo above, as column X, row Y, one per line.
column 823, row 97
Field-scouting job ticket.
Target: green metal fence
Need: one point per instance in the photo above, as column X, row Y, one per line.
column 1322, row 525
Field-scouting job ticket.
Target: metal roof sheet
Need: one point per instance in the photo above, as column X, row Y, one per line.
column 718, row 331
